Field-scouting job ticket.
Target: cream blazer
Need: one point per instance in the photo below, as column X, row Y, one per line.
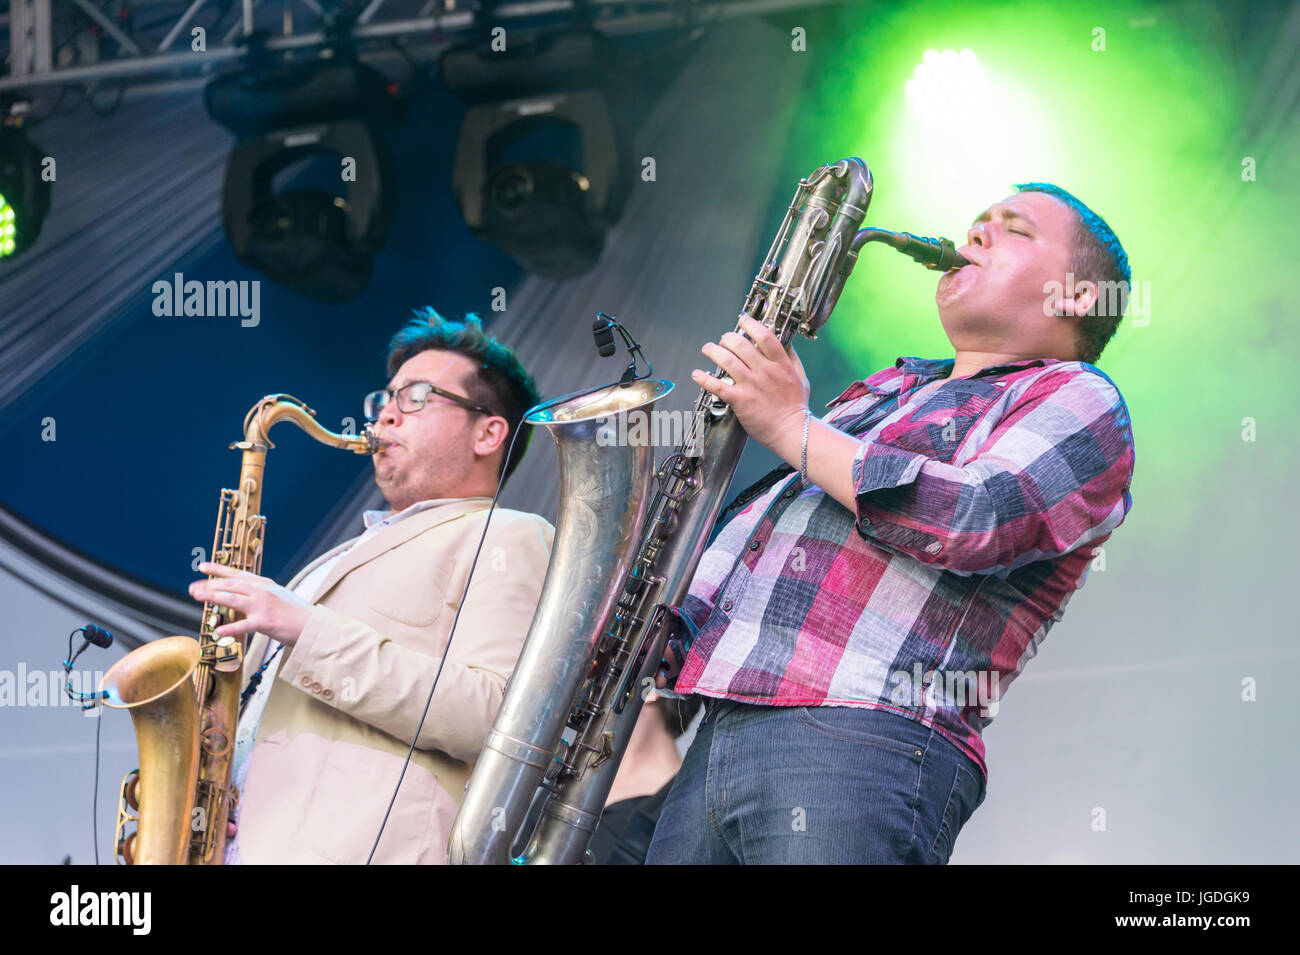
column 349, row 694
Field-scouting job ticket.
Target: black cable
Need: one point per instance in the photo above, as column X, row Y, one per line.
column 98, row 111
column 79, row 696
column 256, row 678
column 94, row 791
column 103, row 639
column 79, row 28
column 63, row 91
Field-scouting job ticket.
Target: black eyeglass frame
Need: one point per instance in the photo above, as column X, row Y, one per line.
column 433, row 390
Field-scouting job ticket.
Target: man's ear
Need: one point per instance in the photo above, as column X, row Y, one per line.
column 1079, row 300
column 493, row 433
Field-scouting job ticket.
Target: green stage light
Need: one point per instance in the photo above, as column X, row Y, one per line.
column 24, row 192
column 1141, row 110
column 949, row 88
column 8, row 230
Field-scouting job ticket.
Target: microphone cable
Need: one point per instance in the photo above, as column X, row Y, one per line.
column 94, row 789
column 100, row 638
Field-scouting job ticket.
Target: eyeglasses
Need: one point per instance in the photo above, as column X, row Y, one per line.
column 412, row 397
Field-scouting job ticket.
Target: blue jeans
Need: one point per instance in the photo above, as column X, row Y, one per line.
column 823, row 784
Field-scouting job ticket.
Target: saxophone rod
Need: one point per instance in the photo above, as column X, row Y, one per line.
column 939, row 254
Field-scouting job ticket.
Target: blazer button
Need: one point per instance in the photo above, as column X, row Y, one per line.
column 315, row 687
column 327, row 693
column 305, row 681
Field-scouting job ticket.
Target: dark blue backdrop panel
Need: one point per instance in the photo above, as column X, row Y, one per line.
column 145, row 413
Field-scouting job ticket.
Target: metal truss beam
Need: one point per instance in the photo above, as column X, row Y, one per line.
column 30, row 39
column 142, row 63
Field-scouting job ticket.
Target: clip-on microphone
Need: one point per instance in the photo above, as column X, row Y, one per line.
column 100, row 638
column 602, row 330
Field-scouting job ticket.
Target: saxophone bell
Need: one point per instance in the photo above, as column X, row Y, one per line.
column 154, row 684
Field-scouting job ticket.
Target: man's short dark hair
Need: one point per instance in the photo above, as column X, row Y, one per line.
column 1095, row 256
column 501, row 384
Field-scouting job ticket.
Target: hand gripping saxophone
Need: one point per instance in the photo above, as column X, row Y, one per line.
column 621, row 556
column 183, row 694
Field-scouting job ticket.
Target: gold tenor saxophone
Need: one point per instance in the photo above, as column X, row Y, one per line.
column 621, row 558
column 183, row 694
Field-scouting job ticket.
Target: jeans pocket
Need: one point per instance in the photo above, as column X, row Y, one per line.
column 852, row 723
column 963, row 799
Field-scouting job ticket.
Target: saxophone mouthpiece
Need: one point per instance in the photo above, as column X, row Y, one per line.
column 939, row 254
column 375, row 444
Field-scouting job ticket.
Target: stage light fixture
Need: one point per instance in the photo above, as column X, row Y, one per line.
column 538, row 167
column 24, row 192
column 292, row 119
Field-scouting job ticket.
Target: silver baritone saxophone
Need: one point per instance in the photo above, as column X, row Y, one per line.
column 622, row 554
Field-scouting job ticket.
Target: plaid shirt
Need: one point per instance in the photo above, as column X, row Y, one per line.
column 979, row 508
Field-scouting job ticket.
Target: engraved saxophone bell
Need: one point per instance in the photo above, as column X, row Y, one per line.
column 606, row 481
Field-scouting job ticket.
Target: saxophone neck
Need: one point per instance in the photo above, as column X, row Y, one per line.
column 272, row 409
column 240, row 527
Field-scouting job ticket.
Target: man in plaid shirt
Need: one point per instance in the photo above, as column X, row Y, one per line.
column 852, row 629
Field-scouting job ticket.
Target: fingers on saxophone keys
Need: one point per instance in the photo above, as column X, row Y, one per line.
column 717, row 387
column 211, row 585
column 759, row 334
column 237, row 629
column 221, row 570
column 743, row 347
column 724, row 358
column 201, row 590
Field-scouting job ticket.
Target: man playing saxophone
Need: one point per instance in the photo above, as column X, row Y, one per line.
column 852, row 629
column 343, row 658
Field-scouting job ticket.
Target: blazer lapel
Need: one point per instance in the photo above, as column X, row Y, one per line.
column 302, row 574
column 399, row 533
column 380, row 543
column 257, row 643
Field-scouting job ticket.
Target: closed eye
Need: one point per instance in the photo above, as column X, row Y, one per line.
column 1018, row 232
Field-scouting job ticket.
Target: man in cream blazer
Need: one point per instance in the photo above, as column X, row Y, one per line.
column 349, row 650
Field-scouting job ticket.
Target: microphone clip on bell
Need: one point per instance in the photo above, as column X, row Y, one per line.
column 100, row 638
column 602, row 331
